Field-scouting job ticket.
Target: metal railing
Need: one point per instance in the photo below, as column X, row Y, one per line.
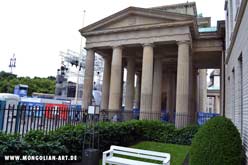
column 22, row 119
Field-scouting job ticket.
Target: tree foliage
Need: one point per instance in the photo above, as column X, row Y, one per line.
column 36, row 84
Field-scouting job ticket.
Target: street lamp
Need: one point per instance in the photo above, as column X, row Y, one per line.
column 12, row 64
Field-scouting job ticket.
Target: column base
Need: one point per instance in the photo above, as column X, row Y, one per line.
column 146, row 107
column 182, row 119
column 150, row 116
column 116, row 115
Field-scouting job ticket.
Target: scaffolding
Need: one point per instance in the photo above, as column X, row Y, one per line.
column 70, row 59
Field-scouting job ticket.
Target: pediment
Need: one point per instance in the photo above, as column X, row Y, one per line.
column 133, row 20
column 135, row 17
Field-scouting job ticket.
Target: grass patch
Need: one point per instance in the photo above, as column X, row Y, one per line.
column 178, row 152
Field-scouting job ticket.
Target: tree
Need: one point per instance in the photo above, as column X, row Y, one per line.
column 36, row 84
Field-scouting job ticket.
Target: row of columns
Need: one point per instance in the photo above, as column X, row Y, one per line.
column 151, row 82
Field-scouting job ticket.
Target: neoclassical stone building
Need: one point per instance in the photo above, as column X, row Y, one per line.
column 163, row 47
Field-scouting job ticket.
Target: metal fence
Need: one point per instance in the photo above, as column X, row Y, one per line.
column 182, row 119
column 22, row 119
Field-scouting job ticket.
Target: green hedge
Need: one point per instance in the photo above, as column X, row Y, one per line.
column 68, row 139
column 217, row 142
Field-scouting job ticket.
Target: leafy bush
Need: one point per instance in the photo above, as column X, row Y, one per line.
column 44, row 144
column 217, row 142
column 10, row 144
column 71, row 137
column 68, row 140
column 13, row 145
column 157, row 131
column 184, row 135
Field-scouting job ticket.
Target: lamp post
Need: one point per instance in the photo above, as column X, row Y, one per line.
column 12, row 64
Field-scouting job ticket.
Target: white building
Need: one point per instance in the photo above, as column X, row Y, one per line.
column 236, row 68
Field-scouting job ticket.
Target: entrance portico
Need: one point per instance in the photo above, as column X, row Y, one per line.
column 157, row 45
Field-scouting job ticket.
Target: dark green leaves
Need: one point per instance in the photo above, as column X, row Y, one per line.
column 217, row 142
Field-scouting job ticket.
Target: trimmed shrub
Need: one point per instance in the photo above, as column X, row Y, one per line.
column 41, row 144
column 10, row 144
column 217, row 142
column 130, row 132
column 184, row 136
column 157, row 130
column 71, row 137
column 68, row 140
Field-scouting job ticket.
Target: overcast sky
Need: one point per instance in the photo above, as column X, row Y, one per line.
column 37, row 30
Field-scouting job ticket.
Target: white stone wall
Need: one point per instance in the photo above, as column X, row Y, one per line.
column 231, row 18
column 237, row 82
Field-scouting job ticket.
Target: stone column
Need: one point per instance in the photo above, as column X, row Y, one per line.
column 191, row 102
column 164, row 90
column 182, row 102
column 194, row 95
column 115, row 80
column 106, row 83
column 130, row 84
column 88, row 79
column 222, row 85
column 169, row 103
column 146, row 83
column 202, row 89
column 197, row 91
column 157, row 89
column 137, row 90
column 217, row 104
column 122, row 98
column 173, row 78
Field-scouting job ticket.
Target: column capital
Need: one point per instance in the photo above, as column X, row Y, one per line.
column 117, row 46
column 183, row 42
column 148, row 44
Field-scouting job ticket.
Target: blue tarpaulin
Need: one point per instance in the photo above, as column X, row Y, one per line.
column 136, row 113
column 33, row 108
column 164, row 116
column 203, row 117
column 75, row 112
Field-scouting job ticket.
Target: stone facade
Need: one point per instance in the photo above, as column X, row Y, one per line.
column 161, row 45
column 236, row 60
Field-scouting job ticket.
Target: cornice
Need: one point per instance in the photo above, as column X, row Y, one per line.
column 139, row 27
column 139, row 11
column 180, row 5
